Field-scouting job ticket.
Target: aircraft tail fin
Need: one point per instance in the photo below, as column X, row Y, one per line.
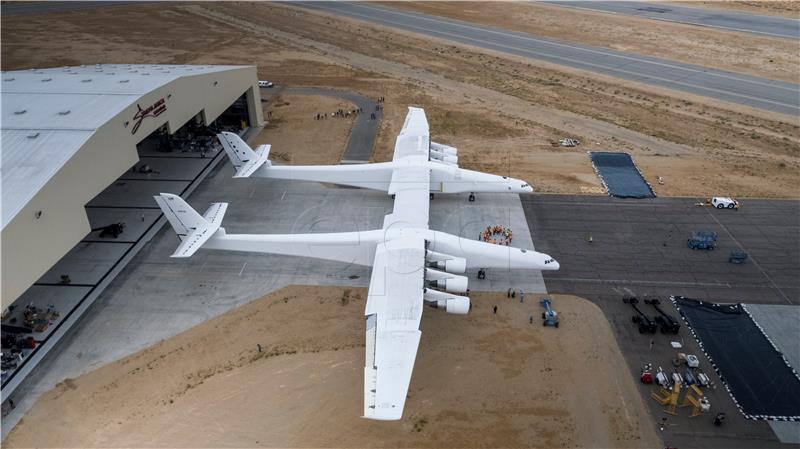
column 193, row 229
column 242, row 156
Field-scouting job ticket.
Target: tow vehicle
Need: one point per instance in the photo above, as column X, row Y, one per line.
column 668, row 324
column 644, row 321
column 724, row 202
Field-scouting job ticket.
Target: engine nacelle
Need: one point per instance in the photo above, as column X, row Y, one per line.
column 455, row 304
column 452, row 283
column 450, row 264
column 446, row 149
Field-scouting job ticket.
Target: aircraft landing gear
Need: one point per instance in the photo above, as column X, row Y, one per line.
column 471, row 197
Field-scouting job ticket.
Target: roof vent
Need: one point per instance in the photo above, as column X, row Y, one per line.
column 87, row 80
column 32, row 136
column 20, row 112
column 64, row 112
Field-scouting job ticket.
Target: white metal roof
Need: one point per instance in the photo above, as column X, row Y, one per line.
column 48, row 114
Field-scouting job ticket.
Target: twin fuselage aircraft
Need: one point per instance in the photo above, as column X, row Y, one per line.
column 411, row 264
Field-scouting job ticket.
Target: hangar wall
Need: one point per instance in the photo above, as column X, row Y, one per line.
column 32, row 245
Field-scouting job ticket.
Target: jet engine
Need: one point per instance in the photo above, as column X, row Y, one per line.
column 452, row 283
column 450, row 264
column 455, row 304
column 448, row 150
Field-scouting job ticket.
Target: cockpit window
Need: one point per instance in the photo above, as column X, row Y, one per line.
column 505, row 177
column 523, row 250
column 524, row 185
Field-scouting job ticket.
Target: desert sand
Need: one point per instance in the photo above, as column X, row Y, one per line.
column 296, row 135
column 785, row 8
column 480, row 380
column 763, row 56
column 504, row 114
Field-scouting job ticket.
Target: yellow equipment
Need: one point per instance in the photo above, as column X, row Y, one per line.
column 668, row 398
column 696, row 399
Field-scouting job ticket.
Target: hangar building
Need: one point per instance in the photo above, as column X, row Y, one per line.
column 67, row 133
column 83, row 151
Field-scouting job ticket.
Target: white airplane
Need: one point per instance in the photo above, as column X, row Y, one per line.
column 440, row 160
column 411, row 265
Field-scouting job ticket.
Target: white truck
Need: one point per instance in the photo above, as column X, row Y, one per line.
column 722, row 202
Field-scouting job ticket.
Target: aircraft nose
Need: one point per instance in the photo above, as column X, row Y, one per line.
column 551, row 263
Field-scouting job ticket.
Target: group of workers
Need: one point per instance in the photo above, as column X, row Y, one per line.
column 339, row 113
column 498, row 235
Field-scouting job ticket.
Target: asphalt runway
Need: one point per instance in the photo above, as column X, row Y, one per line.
column 763, row 93
column 26, row 7
column 727, row 20
column 639, row 248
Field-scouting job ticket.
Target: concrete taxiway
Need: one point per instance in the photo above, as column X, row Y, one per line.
column 762, row 93
column 156, row 297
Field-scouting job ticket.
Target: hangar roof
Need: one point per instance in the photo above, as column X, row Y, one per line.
column 48, row 114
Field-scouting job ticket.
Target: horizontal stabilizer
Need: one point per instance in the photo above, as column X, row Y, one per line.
column 261, row 155
column 194, row 230
column 242, row 156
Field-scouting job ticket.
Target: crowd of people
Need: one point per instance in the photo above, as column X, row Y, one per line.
column 346, row 113
column 498, row 235
column 341, row 113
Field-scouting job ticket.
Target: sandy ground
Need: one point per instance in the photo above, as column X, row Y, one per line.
column 503, row 113
column 321, row 141
column 785, row 8
column 480, row 380
column 738, row 52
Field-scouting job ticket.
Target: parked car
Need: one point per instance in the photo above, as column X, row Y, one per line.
column 265, row 83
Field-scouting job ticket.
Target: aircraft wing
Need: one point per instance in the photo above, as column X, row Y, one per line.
column 411, row 177
column 414, row 138
column 411, row 189
column 393, row 313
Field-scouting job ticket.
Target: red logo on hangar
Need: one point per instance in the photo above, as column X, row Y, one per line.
column 154, row 110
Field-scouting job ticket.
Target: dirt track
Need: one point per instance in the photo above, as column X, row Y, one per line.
column 480, row 380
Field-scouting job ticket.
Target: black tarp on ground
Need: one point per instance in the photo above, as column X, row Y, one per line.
column 620, row 175
column 757, row 376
